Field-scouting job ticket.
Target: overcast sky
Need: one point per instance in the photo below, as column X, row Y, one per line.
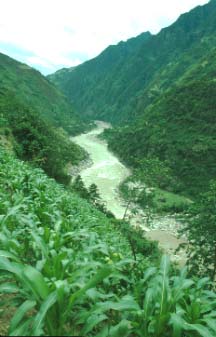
column 51, row 34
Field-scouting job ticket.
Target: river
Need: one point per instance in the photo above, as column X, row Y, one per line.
column 107, row 172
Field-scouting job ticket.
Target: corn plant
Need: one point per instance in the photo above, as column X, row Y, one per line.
column 173, row 305
column 68, row 270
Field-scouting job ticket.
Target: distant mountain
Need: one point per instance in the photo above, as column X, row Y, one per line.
column 123, row 80
column 35, row 91
column 92, row 87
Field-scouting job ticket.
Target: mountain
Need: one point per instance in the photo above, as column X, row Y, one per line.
column 122, row 81
column 178, row 125
column 35, row 91
column 92, row 86
column 34, row 118
column 162, row 97
column 179, row 129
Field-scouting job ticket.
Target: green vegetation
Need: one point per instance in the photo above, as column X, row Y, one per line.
column 65, row 269
column 33, row 90
column 96, row 87
column 179, row 130
column 201, row 234
column 35, row 119
column 123, row 80
column 159, row 201
column 161, row 90
column 37, row 140
column 67, row 266
column 91, row 194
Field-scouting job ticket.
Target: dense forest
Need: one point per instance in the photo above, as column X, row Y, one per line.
column 68, row 267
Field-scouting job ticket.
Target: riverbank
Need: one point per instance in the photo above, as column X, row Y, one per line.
column 107, row 172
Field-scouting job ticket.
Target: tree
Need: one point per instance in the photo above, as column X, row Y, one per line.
column 80, row 188
column 94, row 195
column 201, row 234
column 153, row 172
column 139, row 194
column 95, row 199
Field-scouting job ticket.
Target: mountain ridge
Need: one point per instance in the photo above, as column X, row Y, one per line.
column 115, row 96
column 152, row 100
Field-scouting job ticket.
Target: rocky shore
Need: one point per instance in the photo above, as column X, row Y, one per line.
column 75, row 170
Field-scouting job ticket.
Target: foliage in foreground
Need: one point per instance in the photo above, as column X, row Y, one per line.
column 69, row 271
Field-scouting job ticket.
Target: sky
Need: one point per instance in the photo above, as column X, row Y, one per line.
column 51, row 34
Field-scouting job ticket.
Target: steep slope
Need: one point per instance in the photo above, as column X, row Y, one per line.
column 35, row 139
column 179, row 129
column 92, row 86
column 33, row 118
column 66, row 269
column 120, row 92
column 35, row 91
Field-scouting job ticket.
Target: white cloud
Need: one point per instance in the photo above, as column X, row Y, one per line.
column 61, row 33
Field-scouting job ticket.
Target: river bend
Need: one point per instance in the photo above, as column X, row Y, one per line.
column 107, row 172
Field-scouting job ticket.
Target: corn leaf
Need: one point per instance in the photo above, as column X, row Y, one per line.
column 23, row 329
column 34, row 280
column 177, row 324
column 20, row 313
column 202, row 330
column 9, row 255
column 211, row 323
column 101, row 274
column 11, row 267
column 9, row 288
column 121, row 329
column 92, row 321
column 39, row 319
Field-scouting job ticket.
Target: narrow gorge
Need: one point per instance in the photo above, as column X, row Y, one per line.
column 107, row 172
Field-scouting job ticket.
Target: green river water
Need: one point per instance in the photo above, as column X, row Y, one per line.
column 107, row 172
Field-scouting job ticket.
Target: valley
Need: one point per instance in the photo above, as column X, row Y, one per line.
column 107, row 172
column 106, row 168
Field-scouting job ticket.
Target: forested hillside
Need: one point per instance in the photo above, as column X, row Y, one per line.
column 179, row 129
column 34, row 91
column 35, row 118
column 120, row 90
column 162, row 96
column 96, row 86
